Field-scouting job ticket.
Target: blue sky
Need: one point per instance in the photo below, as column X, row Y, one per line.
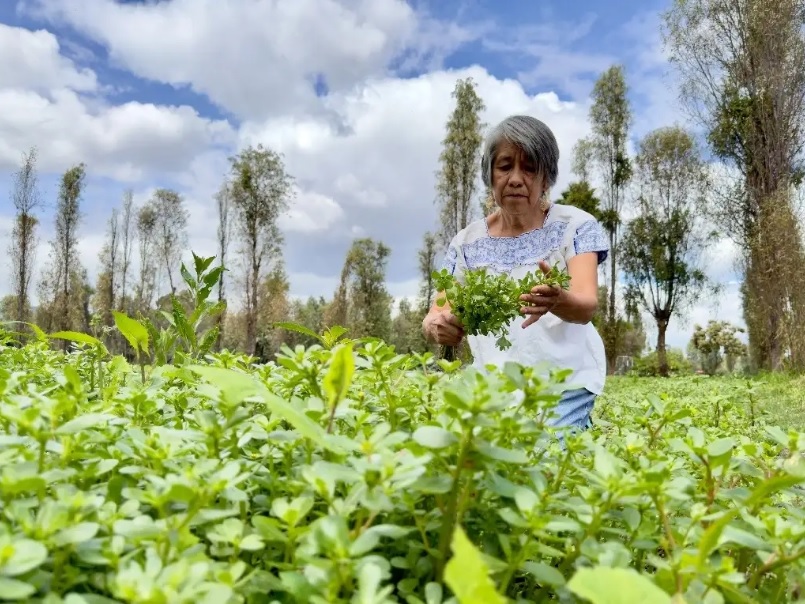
column 353, row 93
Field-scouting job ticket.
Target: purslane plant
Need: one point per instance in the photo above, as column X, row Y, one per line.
column 353, row 474
column 486, row 302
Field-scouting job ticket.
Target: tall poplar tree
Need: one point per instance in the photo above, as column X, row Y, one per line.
column 742, row 65
column 261, row 190
column 610, row 117
column 64, row 287
column 22, row 251
column 457, row 178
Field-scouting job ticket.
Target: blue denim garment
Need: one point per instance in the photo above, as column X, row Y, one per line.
column 574, row 410
column 573, row 413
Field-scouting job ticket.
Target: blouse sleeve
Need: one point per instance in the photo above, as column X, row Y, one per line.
column 589, row 236
column 454, row 260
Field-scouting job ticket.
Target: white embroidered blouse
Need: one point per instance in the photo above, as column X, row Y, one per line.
column 550, row 342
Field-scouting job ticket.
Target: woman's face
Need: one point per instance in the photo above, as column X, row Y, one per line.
column 515, row 183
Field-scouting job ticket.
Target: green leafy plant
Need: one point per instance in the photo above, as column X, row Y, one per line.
column 190, row 341
column 487, row 302
column 136, row 335
column 348, row 473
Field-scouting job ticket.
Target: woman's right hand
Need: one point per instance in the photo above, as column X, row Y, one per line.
column 443, row 328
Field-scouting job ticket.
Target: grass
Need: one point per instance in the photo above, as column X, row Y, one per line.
column 779, row 397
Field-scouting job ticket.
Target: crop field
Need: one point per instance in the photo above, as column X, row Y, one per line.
column 346, row 472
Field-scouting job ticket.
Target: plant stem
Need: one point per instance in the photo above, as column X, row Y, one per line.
column 451, row 512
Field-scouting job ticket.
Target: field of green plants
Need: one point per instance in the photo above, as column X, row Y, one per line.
column 345, row 472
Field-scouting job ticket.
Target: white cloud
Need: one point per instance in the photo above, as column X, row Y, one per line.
column 310, row 213
column 254, row 58
column 42, row 104
column 31, row 60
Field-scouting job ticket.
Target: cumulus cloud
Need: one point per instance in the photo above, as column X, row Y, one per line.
column 253, row 59
column 31, row 60
column 311, row 213
column 43, row 104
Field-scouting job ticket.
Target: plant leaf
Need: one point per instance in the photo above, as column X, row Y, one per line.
column 134, row 331
column 339, row 376
column 467, row 574
column 605, row 585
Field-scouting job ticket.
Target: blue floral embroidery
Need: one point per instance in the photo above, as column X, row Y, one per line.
column 502, row 254
column 590, row 237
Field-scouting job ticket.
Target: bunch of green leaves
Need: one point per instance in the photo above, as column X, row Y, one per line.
column 486, row 302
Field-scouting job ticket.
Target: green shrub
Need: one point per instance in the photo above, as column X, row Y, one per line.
column 348, row 473
column 648, row 365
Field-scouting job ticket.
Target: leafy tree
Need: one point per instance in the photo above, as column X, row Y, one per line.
column 583, row 159
column 22, row 250
column 406, row 329
column 650, row 365
column 260, row 190
column 742, row 64
column 581, row 195
column 223, row 202
column 274, row 307
column 362, row 304
column 610, row 117
column 457, row 179
column 662, row 245
column 715, row 342
column 427, row 264
column 310, row 314
column 106, row 289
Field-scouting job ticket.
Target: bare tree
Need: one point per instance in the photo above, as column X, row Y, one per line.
column 23, row 237
column 146, row 235
column 127, row 243
column 223, row 202
column 171, row 230
column 260, row 192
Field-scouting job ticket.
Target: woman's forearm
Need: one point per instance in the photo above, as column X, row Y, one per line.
column 575, row 308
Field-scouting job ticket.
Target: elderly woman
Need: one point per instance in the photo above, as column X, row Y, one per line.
column 526, row 232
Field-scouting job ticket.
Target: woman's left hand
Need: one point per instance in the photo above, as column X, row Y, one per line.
column 541, row 300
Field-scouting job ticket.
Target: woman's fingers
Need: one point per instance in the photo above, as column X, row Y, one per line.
column 531, row 320
column 453, row 320
column 449, row 330
column 545, row 290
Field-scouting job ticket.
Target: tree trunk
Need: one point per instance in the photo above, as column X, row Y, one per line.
column 662, row 355
column 612, row 318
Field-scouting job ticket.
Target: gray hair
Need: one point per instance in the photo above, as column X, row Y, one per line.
column 531, row 135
